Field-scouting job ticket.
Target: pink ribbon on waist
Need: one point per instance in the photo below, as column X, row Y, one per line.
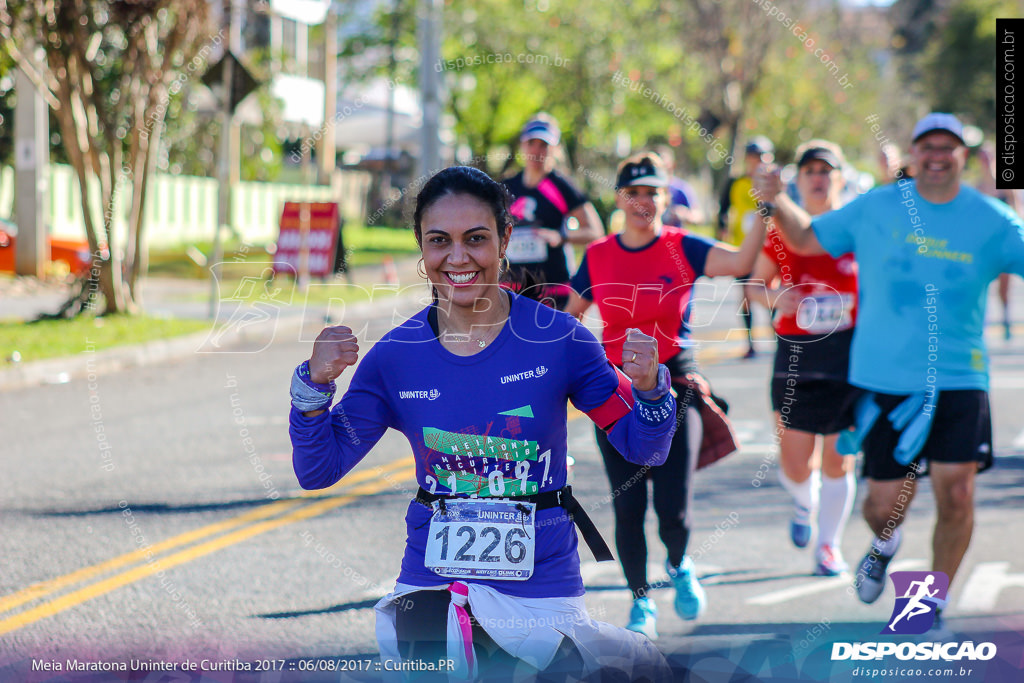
column 460, row 598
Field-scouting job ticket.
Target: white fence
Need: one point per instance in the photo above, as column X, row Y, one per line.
column 183, row 209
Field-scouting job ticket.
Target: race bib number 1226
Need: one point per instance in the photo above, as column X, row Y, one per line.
column 484, row 539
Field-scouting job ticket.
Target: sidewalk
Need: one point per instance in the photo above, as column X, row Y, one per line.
column 253, row 325
column 234, row 323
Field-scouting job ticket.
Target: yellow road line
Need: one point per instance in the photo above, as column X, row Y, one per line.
column 398, row 470
column 9, row 602
column 50, row 586
column 359, row 477
column 43, row 588
column 102, row 587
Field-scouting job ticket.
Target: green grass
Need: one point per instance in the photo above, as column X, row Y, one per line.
column 365, row 246
column 55, row 338
column 282, row 291
column 381, row 239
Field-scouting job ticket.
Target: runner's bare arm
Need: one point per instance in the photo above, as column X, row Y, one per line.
column 793, row 222
column 724, row 259
column 577, row 306
column 590, row 226
column 761, row 286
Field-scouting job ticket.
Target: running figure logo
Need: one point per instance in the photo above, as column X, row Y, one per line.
column 918, row 594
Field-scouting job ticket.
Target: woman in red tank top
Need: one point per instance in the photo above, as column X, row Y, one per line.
column 814, row 304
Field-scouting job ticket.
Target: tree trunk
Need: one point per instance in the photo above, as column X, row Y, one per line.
column 95, row 103
column 143, row 158
column 79, row 125
column 78, row 144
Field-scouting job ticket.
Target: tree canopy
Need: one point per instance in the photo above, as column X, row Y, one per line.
column 108, row 69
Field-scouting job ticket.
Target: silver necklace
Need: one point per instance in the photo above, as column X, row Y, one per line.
column 459, row 337
column 465, row 337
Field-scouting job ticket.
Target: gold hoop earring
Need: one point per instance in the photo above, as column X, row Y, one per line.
column 506, row 267
column 421, row 269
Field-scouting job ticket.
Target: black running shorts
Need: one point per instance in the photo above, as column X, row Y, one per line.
column 809, row 388
column 961, row 431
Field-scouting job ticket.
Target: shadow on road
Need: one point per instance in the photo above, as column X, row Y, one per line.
column 344, row 607
column 382, row 500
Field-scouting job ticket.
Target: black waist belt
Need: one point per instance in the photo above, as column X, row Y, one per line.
column 562, row 498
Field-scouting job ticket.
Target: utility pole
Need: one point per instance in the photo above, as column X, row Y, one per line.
column 31, row 161
column 430, row 55
column 224, row 165
column 389, row 122
column 327, row 153
column 236, row 44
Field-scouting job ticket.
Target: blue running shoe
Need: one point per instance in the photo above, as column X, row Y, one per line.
column 642, row 617
column 800, row 530
column 690, row 598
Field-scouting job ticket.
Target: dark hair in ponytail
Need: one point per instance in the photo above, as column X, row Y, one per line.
column 469, row 181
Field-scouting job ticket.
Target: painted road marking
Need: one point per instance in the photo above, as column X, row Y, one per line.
column 382, row 476
column 821, row 585
column 44, row 588
column 38, row 590
column 389, row 473
column 1004, row 380
column 985, row 583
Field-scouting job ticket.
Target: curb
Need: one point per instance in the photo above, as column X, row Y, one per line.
column 87, row 364
column 63, row 369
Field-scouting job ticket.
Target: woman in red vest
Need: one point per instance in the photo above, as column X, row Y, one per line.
column 643, row 278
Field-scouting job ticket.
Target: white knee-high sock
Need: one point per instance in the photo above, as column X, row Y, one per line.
column 836, row 502
column 804, row 493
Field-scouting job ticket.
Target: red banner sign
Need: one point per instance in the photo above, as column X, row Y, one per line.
column 310, row 227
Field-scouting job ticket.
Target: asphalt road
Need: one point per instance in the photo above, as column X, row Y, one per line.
column 152, row 515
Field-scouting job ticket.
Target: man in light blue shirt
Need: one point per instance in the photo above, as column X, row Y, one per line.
column 927, row 250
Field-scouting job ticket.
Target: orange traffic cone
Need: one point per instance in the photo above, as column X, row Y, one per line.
column 390, row 272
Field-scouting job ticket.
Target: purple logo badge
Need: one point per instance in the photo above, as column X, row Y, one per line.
column 917, row 596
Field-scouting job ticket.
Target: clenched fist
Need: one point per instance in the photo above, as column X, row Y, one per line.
column 640, row 359
column 335, row 349
column 767, row 183
column 787, row 301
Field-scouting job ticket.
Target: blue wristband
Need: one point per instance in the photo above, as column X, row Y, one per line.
column 308, row 395
column 653, row 415
column 655, row 406
column 306, row 377
column 659, row 391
